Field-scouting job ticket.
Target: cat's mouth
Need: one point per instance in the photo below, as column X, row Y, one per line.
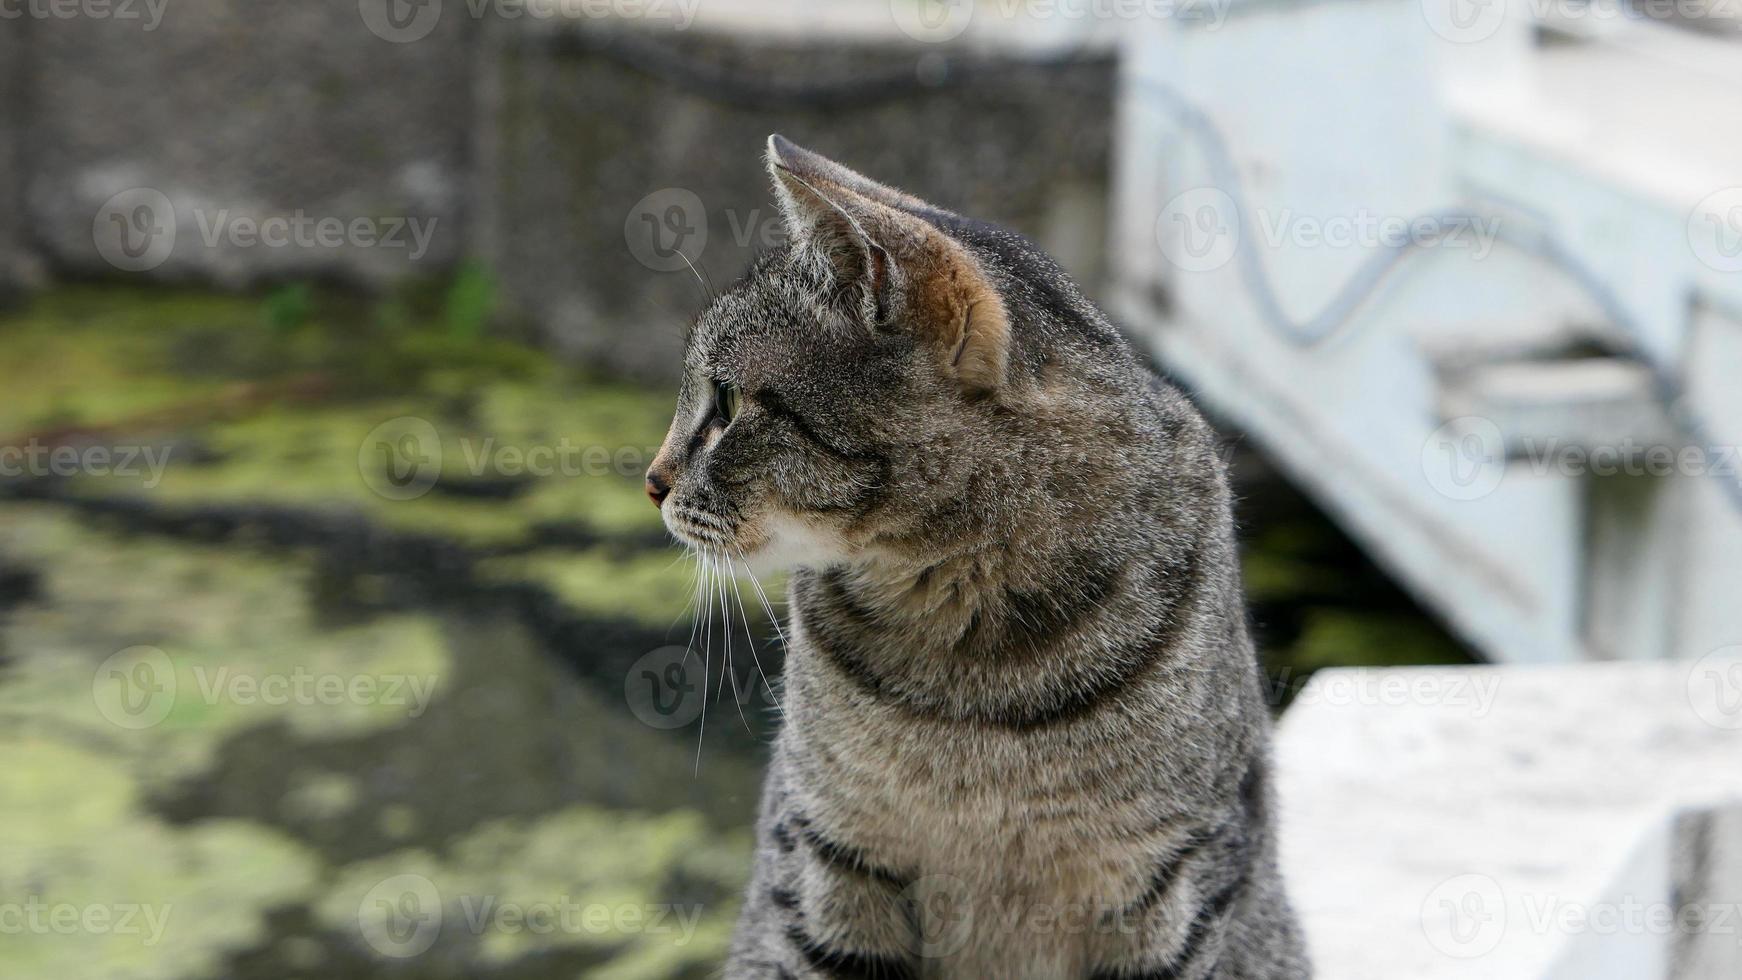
column 700, row 529
column 766, row 542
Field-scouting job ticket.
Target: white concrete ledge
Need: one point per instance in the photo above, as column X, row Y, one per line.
column 1518, row 823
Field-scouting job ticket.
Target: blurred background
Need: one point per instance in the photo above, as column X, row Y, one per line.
column 337, row 637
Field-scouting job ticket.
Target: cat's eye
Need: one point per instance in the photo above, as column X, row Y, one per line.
column 727, row 401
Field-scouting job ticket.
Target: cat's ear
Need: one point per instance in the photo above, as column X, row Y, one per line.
column 892, row 267
column 828, row 228
column 796, row 159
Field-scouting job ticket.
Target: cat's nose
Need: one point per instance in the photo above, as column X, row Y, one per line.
column 657, row 488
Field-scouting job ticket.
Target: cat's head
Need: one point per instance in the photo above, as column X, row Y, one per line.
column 865, row 384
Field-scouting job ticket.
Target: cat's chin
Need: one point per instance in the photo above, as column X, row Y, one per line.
column 789, row 542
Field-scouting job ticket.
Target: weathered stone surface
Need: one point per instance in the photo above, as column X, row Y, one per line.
column 546, row 146
column 240, row 111
column 1527, row 823
column 601, row 146
column 13, row 68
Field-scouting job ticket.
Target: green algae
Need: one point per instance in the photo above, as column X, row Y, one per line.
column 232, row 401
column 135, row 680
column 1346, row 638
column 320, row 456
column 150, row 900
column 566, row 451
column 83, row 357
column 658, row 892
column 159, row 651
column 214, row 608
column 658, row 588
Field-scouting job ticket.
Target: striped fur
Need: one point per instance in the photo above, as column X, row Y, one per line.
column 1025, row 735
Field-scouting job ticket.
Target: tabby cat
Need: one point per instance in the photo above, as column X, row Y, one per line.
column 1024, row 730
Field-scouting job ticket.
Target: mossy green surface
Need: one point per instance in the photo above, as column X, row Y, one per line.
column 249, row 412
column 579, row 877
column 143, row 671
column 317, row 456
column 659, row 588
column 83, row 765
column 1343, row 638
column 135, row 898
column 86, row 357
column 74, row 828
column 158, row 651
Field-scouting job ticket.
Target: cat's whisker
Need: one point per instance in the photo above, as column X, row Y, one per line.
column 707, row 287
column 728, row 584
column 705, row 609
column 717, row 600
column 713, row 604
column 767, row 607
column 689, row 606
column 695, row 602
column 752, row 641
column 688, row 552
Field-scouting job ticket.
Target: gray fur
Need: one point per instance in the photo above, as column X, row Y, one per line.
column 1025, row 731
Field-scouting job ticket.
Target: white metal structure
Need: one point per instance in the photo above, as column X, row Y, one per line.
column 1472, row 273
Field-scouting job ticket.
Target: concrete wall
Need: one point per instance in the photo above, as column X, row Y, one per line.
column 234, row 111
column 13, row 72
column 543, row 146
column 607, row 166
